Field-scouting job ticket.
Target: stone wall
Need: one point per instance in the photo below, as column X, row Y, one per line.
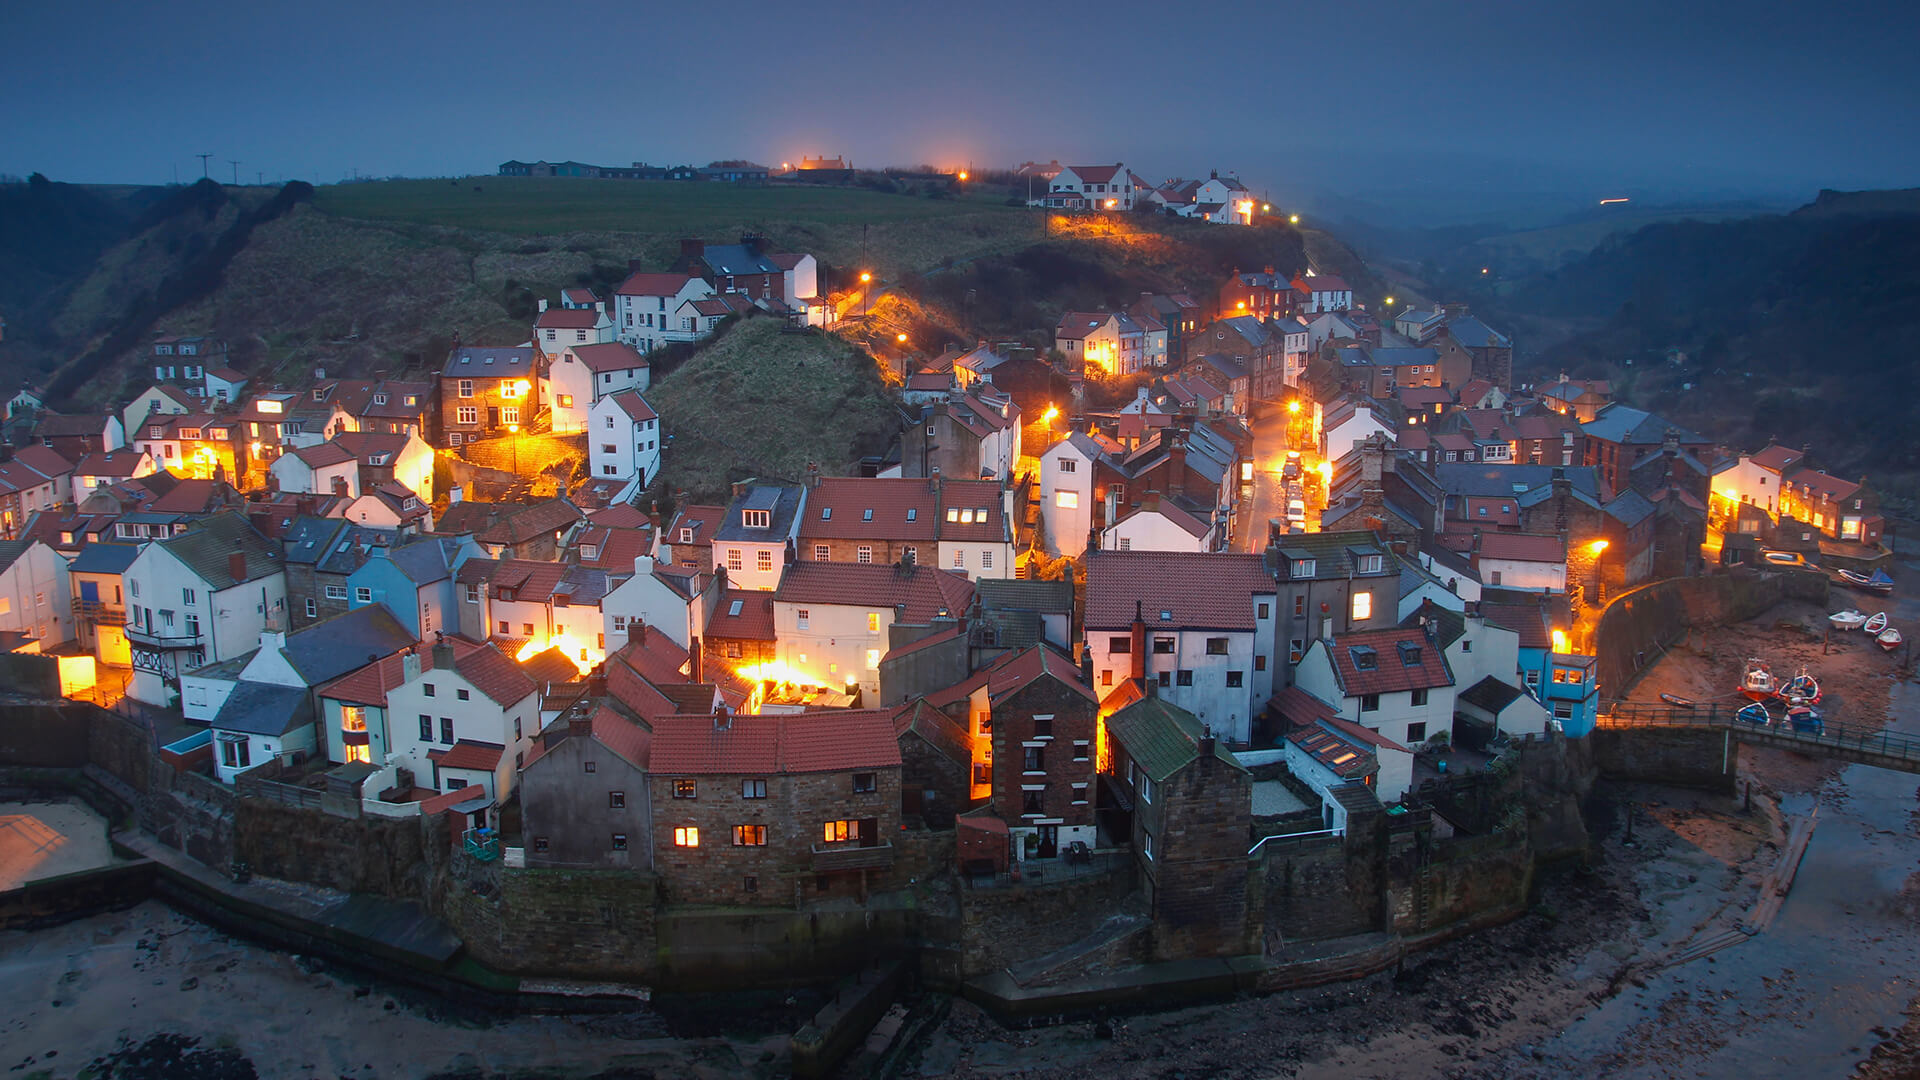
column 587, row 924
column 1481, row 878
column 1003, row 925
column 1321, row 888
column 1638, row 625
column 1701, row 757
column 44, row 735
column 385, row 856
column 1201, row 905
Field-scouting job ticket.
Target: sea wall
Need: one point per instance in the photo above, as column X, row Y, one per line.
column 1638, row 625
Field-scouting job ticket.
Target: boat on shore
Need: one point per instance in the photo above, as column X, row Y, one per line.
column 1677, row 701
column 1889, row 639
column 1757, row 682
column 1802, row 689
column 1877, row 583
column 1850, row 619
column 1875, row 623
column 1755, row 714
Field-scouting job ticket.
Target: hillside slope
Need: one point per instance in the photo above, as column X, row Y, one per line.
column 763, row 402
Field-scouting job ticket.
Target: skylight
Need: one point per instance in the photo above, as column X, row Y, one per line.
column 733, row 609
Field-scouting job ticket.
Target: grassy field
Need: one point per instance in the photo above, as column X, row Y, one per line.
column 539, row 206
column 762, row 403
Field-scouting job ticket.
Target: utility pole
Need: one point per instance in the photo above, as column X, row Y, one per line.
column 236, row 171
column 203, row 164
column 260, row 178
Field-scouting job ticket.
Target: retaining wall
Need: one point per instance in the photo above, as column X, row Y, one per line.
column 1639, row 624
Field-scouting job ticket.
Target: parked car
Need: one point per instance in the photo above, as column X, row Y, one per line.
column 1291, row 469
column 1296, row 510
column 1787, row 558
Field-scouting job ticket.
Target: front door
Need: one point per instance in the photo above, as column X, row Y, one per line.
column 493, row 417
column 1049, row 841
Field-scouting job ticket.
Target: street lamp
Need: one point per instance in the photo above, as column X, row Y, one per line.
column 901, row 338
column 513, row 437
column 866, row 294
column 1293, row 219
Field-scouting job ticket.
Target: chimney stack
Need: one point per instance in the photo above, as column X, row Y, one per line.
column 1205, row 747
column 695, row 668
column 1177, row 465
column 237, row 565
column 442, row 652
column 1137, row 643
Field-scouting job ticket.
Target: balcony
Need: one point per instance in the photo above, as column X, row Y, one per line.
column 836, row 858
column 481, row 844
column 166, row 639
column 99, row 612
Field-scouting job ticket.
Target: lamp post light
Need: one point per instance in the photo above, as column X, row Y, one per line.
column 866, row 294
column 513, row 436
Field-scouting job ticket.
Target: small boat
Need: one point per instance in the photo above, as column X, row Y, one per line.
column 1677, row 701
column 1757, row 683
column 1889, row 639
column 1755, row 713
column 1876, row 623
column 1850, row 619
column 1802, row 689
column 1877, row 582
column 1806, row 720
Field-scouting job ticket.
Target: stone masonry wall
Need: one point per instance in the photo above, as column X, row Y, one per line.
column 1320, row 889
column 1200, row 903
column 379, row 855
column 1003, row 925
column 1637, row 625
column 1684, row 757
column 587, row 924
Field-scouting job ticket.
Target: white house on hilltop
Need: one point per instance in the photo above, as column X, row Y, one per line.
column 623, row 438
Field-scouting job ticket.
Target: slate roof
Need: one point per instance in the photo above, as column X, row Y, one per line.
column 332, row 647
column 927, row 592
column 264, row 709
column 1162, row 738
column 767, row 743
column 206, row 549
column 1489, row 480
column 1629, row 508
column 1391, row 650
column 781, row 501
column 936, row 728
column 1490, row 694
column 1334, row 554
column 1471, row 333
column 1018, row 594
column 1527, row 620
column 1402, row 357
column 103, row 558
column 1199, row 590
column 475, row 362
column 1634, row 427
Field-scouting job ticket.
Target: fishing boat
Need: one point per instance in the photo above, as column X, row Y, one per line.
column 1850, row 619
column 1757, row 683
column 1755, row 713
column 1802, row 689
column 1677, row 701
column 1806, row 720
column 1876, row 623
column 1889, row 639
column 1877, row 583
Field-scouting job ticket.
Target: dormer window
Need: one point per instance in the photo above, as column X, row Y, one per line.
column 413, row 399
column 270, row 407
column 379, row 399
column 1370, row 564
column 756, row 519
column 686, row 536
column 1303, row 568
column 826, row 513
column 1364, row 658
column 319, row 393
column 589, row 551
column 1409, row 654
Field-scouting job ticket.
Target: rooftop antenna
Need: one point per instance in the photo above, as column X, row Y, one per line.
column 203, row 164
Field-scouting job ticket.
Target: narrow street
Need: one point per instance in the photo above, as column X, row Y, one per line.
column 1268, row 500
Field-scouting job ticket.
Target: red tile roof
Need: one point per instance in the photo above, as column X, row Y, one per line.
column 635, row 406
column 43, row 459
column 559, row 318
column 609, row 356
column 327, row 453
column 754, row 621
column 1390, row 671
column 1321, row 283
column 774, row 743
column 112, row 463
column 466, row 754
column 1199, row 590
column 1094, row 174
column 925, row 591
column 1522, row 547
column 927, row 642
column 703, row 520
column 369, row 685
column 1017, row 671
column 494, row 674
column 866, row 508
column 1075, row 325
column 621, row 516
column 1776, row 458
column 613, row 549
column 1527, row 620
column 652, row 284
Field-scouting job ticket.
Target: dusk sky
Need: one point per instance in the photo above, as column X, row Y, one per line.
column 1298, row 98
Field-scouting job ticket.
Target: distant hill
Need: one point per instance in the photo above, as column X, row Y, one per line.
column 1801, row 327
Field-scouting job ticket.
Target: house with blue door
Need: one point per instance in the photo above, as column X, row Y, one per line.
column 1562, row 680
column 415, row 581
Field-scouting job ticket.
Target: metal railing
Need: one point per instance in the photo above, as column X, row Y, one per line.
column 1829, row 736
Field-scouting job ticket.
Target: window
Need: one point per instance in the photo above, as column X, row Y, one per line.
column 1119, row 645
column 1067, row 500
column 1417, row 732
column 429, row 689
column 986, row 560
column 186, row 597
column 1370, row 703
column 1164, row 678
column 1263, row 610
column 540, row 843
column 1303, row 568
column 1216, row 646
column 821, row 553
column 466, row 390
column 462, row 694
column 1185, row 677
column 686, row 836
column 959, row 559
column 590, row 766
column 1417, row 698
column 734, row 561
column 467, row 414
column 1033, row 803
column 446, row 730
column 800, row 618
column 1163, row 646
column 334, row 592
column 756, row 519
column 1034, row 759
column 863, row 555
column 1573, row 676
column 1299, row 607
column 685, row 789
column 313, row 608
column 363, row 595
column 1079, row 794
column 1532, row 678
column 1106, row 676
column 1362, row 606
column 426, row 728
column 753, row 789
column 763, row 561
column 509, row 414
column 749, row 836
column 1081, row 748
column 1067, row 464
column 1142, row 785
column 836, row 832
column 864, row 783
column 1236, row 678
column 1146, row 845
column 1369, row 564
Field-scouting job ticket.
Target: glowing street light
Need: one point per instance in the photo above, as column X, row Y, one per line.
column 901, row 338
column 1111, row 203
column 1293, row 406
column 963, row 175
column 1266, row 208
column 1048, row 416
column 513, row 436
column 1389, row 301
column 1597, row 546
column 1293, row 219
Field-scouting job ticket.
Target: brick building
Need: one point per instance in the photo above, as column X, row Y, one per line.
column 486, row 391
column 936, row 760
column 772, row 809
column 960, row 525
column 1044, row 730
column 1190, row 823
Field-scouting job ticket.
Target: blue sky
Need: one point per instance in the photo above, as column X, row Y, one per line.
column 1357, row 97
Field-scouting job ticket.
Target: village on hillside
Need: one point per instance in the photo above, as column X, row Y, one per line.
column 1322, row 553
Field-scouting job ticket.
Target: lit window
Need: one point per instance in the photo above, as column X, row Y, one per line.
column 873, row 658
column 873, row 622
column 763, row 561
column 750, row 836
column 686, row 836
column 1067, row 500
column 1362, row 606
